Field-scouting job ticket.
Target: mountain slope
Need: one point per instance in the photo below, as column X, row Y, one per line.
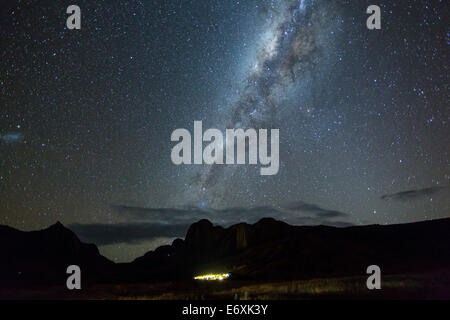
column 272, row 250
column 266, row 250
column 43, row 256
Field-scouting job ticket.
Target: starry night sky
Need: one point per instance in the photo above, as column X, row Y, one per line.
column 86, row 115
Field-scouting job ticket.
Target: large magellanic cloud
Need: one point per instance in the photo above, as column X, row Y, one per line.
column 11, row 137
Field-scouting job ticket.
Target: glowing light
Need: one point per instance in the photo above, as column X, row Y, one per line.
column 212, row 276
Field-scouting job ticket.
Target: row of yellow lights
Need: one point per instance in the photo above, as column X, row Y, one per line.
column 211, row 276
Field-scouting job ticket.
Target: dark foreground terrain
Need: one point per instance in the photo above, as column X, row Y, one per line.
column 267, row 260
column 394, row 287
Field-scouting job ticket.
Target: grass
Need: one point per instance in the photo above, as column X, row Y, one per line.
column 404, row 286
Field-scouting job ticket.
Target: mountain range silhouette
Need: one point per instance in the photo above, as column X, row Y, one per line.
column 267, row 250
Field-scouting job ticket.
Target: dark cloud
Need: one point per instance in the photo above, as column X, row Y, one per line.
column 152, row 223
column 155, row 213
column 191, row 214
column 412, row 194
column 291, row 212
column 103, row 234
column 313, row 208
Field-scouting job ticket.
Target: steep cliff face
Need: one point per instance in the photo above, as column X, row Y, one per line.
column 203, row 237
column 268, row 250
column 241, row 236
column 272, row 249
